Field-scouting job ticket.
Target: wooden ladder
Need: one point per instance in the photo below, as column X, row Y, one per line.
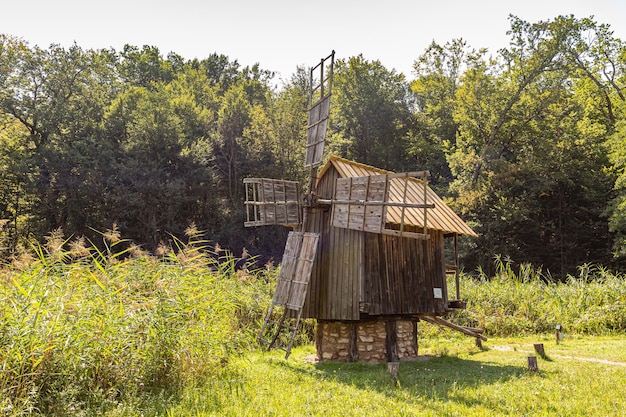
column 291, row 290
column 282, row 332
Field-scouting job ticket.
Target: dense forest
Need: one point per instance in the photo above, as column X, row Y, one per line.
column 528, row 143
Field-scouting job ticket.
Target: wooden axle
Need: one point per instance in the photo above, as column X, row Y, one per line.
column 375, row 203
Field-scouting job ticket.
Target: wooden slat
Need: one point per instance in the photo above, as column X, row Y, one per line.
column 304, row 266
column 287, row 269
column 316, row 131
column 295, row 271
column 440, row 218
column 270, row 201
column 361, row 203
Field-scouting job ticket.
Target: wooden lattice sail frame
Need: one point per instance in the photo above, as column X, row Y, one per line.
column 270, row 202
column 379, row 203
column 319, row 111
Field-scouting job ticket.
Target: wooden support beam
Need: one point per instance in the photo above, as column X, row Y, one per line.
column 465, row 330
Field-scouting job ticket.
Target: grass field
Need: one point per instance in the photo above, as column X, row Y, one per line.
column 579, row 377
column 119, row 332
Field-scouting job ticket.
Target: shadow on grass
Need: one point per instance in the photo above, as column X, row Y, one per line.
column 443, row 371
column 438, row 379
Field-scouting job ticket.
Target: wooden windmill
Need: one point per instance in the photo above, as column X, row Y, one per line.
column 367, row 245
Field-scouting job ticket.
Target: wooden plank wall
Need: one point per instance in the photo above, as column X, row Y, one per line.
column 385, row 274
column 318, row 221
column 400, row 275
column 334, row 289
column 340, row 294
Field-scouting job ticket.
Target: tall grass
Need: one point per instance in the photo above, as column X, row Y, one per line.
column 107, row 329
column 525, row 300
column 91, row 331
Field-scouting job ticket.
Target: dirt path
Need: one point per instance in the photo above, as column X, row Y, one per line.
column 578, row 358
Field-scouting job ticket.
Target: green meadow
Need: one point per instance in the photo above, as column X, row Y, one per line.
column 119, row 332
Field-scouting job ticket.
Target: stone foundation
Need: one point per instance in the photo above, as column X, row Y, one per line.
column 371, row 341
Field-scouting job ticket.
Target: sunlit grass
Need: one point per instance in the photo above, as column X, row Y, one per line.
column 110, row 330
column 529, row 301
column 117, row 327
column 465, row 381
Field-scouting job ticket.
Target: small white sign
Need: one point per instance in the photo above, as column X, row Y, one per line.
column 437, row 293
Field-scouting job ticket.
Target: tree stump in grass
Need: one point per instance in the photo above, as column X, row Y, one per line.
column 540, row 350
column 532, row 364
column 394, row 370
column 479, row 343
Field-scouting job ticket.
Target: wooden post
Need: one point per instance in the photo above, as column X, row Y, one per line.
column 456, row 271
column 532, row 364
column 479, row 343
column 391, row 340
column 415, row 338
column 319, row 338
column 540, row 350
column 354, row 351
column 394, row 370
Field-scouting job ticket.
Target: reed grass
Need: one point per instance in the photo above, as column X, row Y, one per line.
column 98, row 328
column 526, row 300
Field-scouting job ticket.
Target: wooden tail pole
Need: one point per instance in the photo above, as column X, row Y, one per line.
column 477, row 333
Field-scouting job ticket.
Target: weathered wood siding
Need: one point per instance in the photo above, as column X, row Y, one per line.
column 358, row 272
column 318, row 220
column 334, row 288
column 400, row 275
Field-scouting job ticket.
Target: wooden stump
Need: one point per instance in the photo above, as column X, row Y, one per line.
column 479, row 343
column 532, row 364
column 540, row 350
column 394, row 370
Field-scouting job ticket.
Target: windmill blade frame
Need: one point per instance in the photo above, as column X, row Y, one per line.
column 380, row 203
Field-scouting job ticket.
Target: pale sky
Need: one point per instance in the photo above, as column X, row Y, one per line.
column 282, row 34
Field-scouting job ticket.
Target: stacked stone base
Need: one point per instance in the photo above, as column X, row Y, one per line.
column 367, row 341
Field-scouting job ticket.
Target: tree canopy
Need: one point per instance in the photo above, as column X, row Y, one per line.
column 527, row 143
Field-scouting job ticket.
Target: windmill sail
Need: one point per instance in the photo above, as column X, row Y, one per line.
column 380, row 203
column 319, row 112
column 295, row 272
column 270, row 201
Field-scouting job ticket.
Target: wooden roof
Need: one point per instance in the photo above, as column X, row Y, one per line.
column 439, row 218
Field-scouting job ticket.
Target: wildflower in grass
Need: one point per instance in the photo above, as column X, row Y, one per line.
column 162, row 249
column 192, row 231
column 21, row 258
column 136, row 251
